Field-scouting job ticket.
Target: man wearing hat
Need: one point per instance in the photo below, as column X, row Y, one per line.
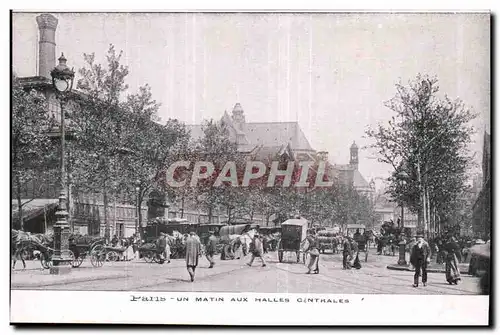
column 211, row 247
column 420, row 258
column 257, row 250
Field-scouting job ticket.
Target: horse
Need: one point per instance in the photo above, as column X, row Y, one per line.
column 22, row 241
column 17, row 239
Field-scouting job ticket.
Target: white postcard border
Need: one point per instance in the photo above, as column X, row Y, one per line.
column 180, row 308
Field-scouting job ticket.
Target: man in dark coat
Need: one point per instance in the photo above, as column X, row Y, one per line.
column 211, row 247
column 420, row 258
column 257, row 250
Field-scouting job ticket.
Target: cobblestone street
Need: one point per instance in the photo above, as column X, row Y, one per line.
column 236, row 276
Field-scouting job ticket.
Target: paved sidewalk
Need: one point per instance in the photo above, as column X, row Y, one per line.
column 34, row 276
column 432, row 268
column 38, row 279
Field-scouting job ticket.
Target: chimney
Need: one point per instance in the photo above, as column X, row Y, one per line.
column 47, row 25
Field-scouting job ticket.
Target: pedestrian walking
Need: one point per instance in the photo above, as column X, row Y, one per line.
column 312, row 249
column 161, row 245
column 451, row 262
column 193, row 251
column 265, row 243
column 211, row 248
column 257, row 250
column 346, row 253
column 420, row 258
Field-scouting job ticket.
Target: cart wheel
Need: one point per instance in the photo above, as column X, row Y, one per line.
column 46, row 260
column 148, row 256
column 98, row 256
column 71, row 256
column 280, row 256
column 112, row 256
column 158, row 259
column 78, row 261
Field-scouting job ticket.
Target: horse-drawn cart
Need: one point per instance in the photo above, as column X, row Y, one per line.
column 328, row 241
column 82, row 247
column 293, row 233
column 150, row 254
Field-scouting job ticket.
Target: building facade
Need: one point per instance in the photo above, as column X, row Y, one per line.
column 481, row 212
column 42, row 192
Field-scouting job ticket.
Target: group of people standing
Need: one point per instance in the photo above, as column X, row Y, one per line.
column 350, row 252
column 420, row 258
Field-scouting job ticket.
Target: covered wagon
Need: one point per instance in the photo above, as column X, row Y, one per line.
column 293, row 233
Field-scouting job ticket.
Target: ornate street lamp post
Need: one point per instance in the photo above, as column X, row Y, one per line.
column 62, row 80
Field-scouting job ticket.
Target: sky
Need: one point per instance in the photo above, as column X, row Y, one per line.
column 331, row 72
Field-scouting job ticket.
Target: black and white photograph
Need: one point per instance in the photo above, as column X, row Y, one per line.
column 251, row 161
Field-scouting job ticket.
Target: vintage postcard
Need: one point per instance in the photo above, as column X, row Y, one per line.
column 250, row 168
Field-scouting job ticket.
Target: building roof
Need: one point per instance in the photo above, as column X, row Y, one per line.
column 34, row 207
column 269, row 134
column 359, row 181
column 277, row 133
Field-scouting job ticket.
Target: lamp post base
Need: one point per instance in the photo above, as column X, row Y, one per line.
column 61, row 265
column 60, row 270
column 402, row 253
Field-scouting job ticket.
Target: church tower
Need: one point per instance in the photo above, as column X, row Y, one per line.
column 354, row 155
column 238, row 116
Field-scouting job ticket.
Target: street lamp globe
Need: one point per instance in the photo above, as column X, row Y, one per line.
column 62, row 76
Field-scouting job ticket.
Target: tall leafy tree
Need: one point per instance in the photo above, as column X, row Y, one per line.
column 216, row 147
column 31, row 150
column 426, row 141
column 97, row 124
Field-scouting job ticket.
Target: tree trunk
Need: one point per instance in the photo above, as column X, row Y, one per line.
column 139, row 215
column 19, row 203
column 105, row 206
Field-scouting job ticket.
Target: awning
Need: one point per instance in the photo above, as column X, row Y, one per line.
column 33, row 208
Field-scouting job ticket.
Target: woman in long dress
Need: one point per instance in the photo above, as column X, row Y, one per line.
column 193, row 251
column 451, row 265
